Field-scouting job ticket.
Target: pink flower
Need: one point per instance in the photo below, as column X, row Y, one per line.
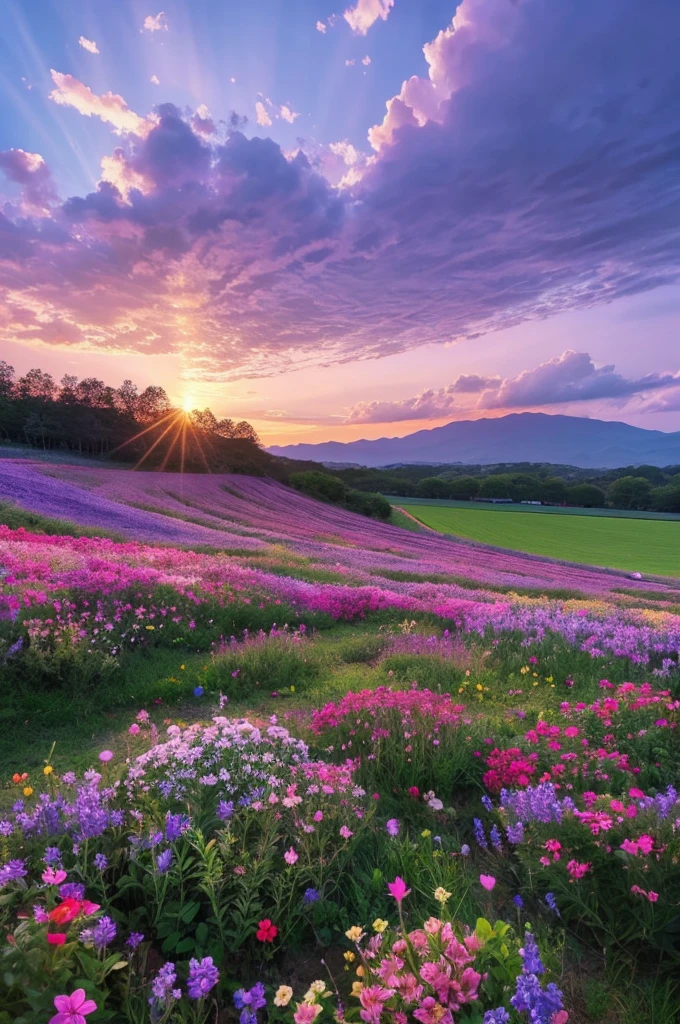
column 487, row 881
column 629, row 846
column 346, row 833
column 652, row 896
column 290, row 856
column 56, row 939
column 52, row 877
column 559, row 1017
column 105, row 756
column 134, row 729
column 307, row 1012
column 646, row 844
column 73, row 1009
column 398, row 889
column 636, row 794
column 577, row 869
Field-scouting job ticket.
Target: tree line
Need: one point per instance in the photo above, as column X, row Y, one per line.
column 92, row 418
column 639, row 488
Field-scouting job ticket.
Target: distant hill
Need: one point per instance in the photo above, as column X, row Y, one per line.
column 519, row 437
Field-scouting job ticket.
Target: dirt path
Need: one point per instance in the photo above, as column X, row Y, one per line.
column 414, row 520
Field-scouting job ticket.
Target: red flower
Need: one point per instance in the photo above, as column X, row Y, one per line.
column 66, row 911
column 56, row 938
column 266, row 931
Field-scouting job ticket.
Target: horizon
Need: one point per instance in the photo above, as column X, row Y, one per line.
column 346, row 221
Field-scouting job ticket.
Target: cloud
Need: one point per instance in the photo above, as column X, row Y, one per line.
column 366, row 60
column 202, row 122
column 509, row 189
column 365, row 13
column 31, row 173
column 287, row 114
column 155, row 23
column 350, row 63
column 261, row 115
column 88, row 44
column 321, row 27
column 571, row 377
column 155, row 80
column 471, row 383
column 110, row 107
column 428, row 405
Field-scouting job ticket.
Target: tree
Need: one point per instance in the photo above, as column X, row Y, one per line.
column 126, row 398
column 96, row 395
column 152, row 404
column 464, row 488
column 551, row 489
column 667, row 498
column 203, row 419
column 36, row 385
column 586, row 495
column 68, row 389
column 630, row 492
column 433, row 487
column 225, row 428
column 246, row 432
column 6, row 379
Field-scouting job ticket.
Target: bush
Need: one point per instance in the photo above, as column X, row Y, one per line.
column 263, row 662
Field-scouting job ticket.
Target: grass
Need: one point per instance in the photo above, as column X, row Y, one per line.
column 560, row 510
column 16, row 517
column 635, row 545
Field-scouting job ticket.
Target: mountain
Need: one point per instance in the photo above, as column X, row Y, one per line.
column 519, row 437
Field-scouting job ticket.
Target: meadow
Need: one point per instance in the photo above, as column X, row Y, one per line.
column 267, row 760
column 637, row 542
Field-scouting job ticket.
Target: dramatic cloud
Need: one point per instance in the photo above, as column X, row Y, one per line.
column 261, row 115
column 110, row 107
column 155, row 23
column 428, row 405
column 521, row 178
column 88, row 44
column 571, row 377
column 365, row 13
column 31, row 173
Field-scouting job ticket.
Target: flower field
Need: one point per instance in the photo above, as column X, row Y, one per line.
column 267, row 760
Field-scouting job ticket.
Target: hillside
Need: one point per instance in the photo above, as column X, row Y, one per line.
column 519, row 437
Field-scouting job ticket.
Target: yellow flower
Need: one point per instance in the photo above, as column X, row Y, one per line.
column 379, row 925
column 48, row 769
column 292, row 689
column 28, row 790
column 349, row 956
column 441, row 895
column 149, row 627
column 182, row 670
column 284, row 994
column 317, row 988
column 479, row 686
column 524, row 669
column 360, row 971
column 548, row 679
column 354, row 933
column 357, row 988
column 426, row 833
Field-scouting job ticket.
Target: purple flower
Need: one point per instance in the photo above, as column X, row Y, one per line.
column 486, row 802
column 52, row 856
column 253, row 998
column 392, row 827
column 499, row 1016
column 104, row 932
column 310, row 896
column 72, row 891
column 6, row 827
column 480, row 834
column 515, row 833
column 225, row 809
column 101, row 861
column 495, row 837
column 163, row 982
column 518, row 901
column 175, row 825
column 203, row 976
column 465, row 850
column 134, row 939
column 552, row 903
column 531, row 958
column 163, row 862
column 12, row 871
column 198, row 691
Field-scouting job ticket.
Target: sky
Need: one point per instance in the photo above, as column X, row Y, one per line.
column 347, row 219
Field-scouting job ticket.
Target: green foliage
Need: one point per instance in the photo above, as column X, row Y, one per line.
column 16, row 518
column 326, row 487
column 630, row 492
column 279, row 663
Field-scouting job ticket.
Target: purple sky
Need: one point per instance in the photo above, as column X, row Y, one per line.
column 343, row 221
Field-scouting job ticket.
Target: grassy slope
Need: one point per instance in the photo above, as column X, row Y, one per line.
column 635, row 545
column 560, row 510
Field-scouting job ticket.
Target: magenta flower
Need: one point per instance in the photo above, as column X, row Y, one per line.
column 106, row 756
column 290, row 856
column 52, row 877
column 487, row 881
column 73, row 1009
column 398, row 889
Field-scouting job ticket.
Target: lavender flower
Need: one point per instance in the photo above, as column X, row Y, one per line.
column 52, row 856
column 480, row 834
column 531, row 958
column 515, row 833
column 175, row 825
column 552, row 903
column 104, row 932
column 101, row 861
column 499, row 1016
column 162, row 984
column 12, row 871
column 495, row 837
column 72, row 891
column 518, row 901
column 134, row 939
column 392, row 827
column 203, row 976
column 225, row 809
column 486, row 802
column 163, row 862
column 310, row 896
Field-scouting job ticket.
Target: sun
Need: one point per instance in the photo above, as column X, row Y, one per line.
column 187, row 403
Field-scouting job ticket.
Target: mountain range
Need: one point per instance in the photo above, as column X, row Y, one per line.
column 519, row 437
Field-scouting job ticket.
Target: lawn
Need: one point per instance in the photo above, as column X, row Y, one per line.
column 635, row 545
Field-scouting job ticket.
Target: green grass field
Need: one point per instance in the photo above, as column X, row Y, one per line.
column 636, row 545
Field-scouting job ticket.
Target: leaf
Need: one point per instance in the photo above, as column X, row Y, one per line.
column 202, row 933
column 189, row 912
column 171, row 942
column 119, row 966
column 186, row 945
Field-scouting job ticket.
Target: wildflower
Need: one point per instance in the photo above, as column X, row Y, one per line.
column 307, row 1012
column 266, row 931
column 398, row 889
column 291, row 856
column 48, row 769
column 283, row 996
column 310, row 895
column 354, row 933
column 103, row 933
column 225, row 809
column 52, row 877
column 499, row 1016
column 349, row 956
column 392, row 827
column 198, row 691
column 577, row 869
column 465, row 850
column 163, row 862
column 106, row 756
column 346, row 833
column 552, row 903
column 379, row 925
column 203, row 976
column 487, row 882
column 518, row 901
column 441, row 895
column 162, row 985
column 426, row 833
column 134, row 939
column 134, row 729
column 101, row 861
column 11, row 871
column 56, row 939
column 27, row 790
column 72, row 1009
